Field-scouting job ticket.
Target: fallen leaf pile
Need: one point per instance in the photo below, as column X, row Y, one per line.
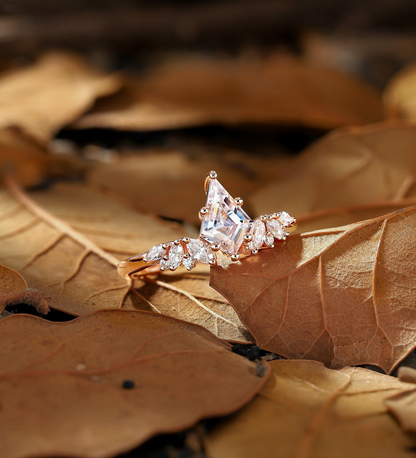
column 157, row 354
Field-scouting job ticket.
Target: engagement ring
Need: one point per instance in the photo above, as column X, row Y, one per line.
column 225, row 227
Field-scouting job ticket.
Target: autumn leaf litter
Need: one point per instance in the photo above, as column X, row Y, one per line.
column 156, row 355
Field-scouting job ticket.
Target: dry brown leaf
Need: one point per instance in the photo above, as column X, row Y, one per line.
column 42, row 98
column 30, row 162
column 279, row 90
column 61, row 384
column 14, row 291
column 343, row 296
column 306, row 410
column 400, row 95
column 175, row 190
column 350, row 175
column 27, row 159
column 11, row 281
column 75, row 264
column 403, row 405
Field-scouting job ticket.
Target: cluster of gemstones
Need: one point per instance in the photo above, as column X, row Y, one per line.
column 267, row 228
column 187, row 252
column 182, row 252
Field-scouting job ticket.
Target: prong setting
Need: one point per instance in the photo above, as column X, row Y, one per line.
column 215, row 246
column 235, row 257
column 239, row 201
column 248, row 237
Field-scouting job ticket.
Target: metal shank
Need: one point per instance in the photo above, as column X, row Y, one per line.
column 135, row 265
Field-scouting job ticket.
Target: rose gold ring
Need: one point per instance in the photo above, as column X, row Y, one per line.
column 225, row 228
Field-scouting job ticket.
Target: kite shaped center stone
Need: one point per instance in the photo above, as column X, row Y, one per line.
column 225, row 222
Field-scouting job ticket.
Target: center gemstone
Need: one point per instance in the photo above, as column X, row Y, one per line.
column 225, row 222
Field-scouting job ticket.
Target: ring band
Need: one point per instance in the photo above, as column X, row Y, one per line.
column 225, row 227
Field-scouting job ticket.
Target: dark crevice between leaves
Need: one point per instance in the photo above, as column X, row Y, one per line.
column 409, row 361
column 53, row 315
column 255, row 139
column 257, row 355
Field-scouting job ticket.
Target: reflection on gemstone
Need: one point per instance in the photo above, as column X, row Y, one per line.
column 200, row 251
column 276, row 229
column 175, row 256
column 258, row 231
column 155, row 253
column 225, row 222
column 286, row 219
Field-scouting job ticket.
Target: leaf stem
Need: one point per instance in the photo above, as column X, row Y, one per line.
column 17, row 192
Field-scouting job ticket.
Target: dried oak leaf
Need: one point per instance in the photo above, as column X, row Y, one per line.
column 343, row 296
column 403, row 405
column 62, row 383
column 279, row 90
column 14, row 291
column 176, row 188
column 307, row 410
column 399, row 96
column 351, row 174
column 67, row 242
column 42, row 98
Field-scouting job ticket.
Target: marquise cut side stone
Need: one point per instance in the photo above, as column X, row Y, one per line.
column 269, row 239
column 155, row 253
column 286, row 219
column 200, row 251
column 225, row 222
column 175, row 256
column 258, row 231
column 276, row 229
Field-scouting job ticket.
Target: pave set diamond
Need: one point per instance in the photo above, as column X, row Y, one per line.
column 225, row 226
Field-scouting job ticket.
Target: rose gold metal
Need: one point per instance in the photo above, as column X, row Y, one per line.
column 136, row 264
column 292, row 227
